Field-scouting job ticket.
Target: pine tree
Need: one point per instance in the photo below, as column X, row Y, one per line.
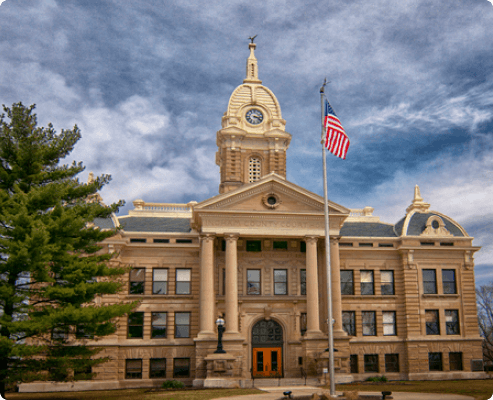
column 51, row 264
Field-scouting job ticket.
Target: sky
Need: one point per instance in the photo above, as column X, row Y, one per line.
column 147, row 82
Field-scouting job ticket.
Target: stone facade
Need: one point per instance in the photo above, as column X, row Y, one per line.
column 403, row 294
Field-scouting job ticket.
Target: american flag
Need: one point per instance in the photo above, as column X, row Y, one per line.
column 336, row 140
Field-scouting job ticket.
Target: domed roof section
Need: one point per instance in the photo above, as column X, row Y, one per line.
column 420, row 221
column 249, row 94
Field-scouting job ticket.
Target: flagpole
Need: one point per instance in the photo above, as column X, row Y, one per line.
column 327, row 256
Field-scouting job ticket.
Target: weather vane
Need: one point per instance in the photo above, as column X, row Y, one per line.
column 252, row 38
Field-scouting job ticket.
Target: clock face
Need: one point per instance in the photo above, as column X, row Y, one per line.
column 254, row 116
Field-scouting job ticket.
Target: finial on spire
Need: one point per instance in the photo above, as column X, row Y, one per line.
column 252, row 67
column 418, row 203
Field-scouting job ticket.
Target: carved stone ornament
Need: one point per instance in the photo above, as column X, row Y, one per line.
column 408, row 260
column 435, row 227
column 271, row 200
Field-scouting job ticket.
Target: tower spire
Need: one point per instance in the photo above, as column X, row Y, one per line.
column 252, row 66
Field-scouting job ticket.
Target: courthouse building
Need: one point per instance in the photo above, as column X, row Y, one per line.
column 403, row 293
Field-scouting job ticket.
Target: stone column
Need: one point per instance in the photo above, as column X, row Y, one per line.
column 231, row 284
column 335, row 272
column 206, row 306
column 312, row 309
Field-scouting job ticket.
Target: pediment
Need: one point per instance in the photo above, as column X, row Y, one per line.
column 272, row 194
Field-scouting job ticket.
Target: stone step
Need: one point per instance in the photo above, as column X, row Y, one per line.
column 267, row 382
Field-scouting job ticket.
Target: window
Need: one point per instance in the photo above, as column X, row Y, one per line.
column 137, row 280
column 347, row 283
column 158, row 324
column 183, row 240
column 254, row 169
column 136, row 325
column 389, row 325
column 429, row 281
column 160, row 241
column 349, row 322
column 280, row 281
column 181, row 368
column 448, row 279
column 303, row 323
column 224, row 282
column 371, row 362
column 387, row 282
column 280, row 245
column 353, row 363
column 83, row 332
column 133, row 369
column 253, row 281
column 182, row 324
column 369, row 325
column 83, row 373
column 253, row 245
column 435, row 361
column 159, row 281
column 391, row 362
column 138, row 240
column 303, row 247
column 303, row 282
column 367, row 283
column 183, row 277
column 452, row 322
column 157, row 368
column 432, row 322
column 455, row 361
column 59, row 334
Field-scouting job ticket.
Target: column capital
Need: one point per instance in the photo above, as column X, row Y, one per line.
column 233, row 237
column 311, row 239
column 207, row 237
column 335, row 239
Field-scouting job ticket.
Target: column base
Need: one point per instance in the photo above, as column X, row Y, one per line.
column 310, row 335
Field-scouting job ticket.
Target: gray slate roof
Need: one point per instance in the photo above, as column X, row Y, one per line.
column 418, row 224
column 151, row 224
column 104, row 223
column 371, row 229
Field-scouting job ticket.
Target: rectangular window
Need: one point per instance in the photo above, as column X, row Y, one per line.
column 183, row 278
column 158, row 321
column 387, row 282
column 182, row 325
column 253, row 245
column 303, row 247
column 435, row 361
column 353, row 363
column 280, row 245
column 455, row 361
column 181, row 368
column 160, row 241
column 448, row 279
column 137, row 280
column 138, row 240
column 391, row 362
column 303, row 323
column 349, row 322
column 183, row 240
column 253, row 281
column 429, row 281
column 452, row 322
column 367, row 287
column 371, row 362
column 159, row 281
column 347, row 282
column 59, row 334
column 224, row 281
column 280, row 281
column 83, row 332
column 157, row 368
column 303, row 282
column 133, row 369
column 389, row 325
column 369, row 324
column 432, row 322
column 135, row 325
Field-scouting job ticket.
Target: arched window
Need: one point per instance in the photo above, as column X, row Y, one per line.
column 254, row 169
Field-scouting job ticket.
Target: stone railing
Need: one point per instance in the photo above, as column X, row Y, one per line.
column 170, row 209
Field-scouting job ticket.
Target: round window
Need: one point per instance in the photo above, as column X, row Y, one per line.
column 435, row 224
column 271, row 200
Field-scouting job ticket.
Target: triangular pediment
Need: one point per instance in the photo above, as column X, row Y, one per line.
column 271, row 194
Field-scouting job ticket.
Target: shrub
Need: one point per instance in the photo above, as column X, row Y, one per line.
column 377, row 379
column 173, row 385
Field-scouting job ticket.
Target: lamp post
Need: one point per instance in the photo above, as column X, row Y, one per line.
column 220, row 331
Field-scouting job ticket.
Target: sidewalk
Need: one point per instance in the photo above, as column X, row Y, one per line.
column 275, row 393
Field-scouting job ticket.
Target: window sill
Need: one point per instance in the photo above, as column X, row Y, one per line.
column 369, row 296
column 441, row 296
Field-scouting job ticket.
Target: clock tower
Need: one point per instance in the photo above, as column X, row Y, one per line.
column 253, row 141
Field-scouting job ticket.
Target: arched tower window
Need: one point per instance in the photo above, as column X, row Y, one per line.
column 254, row 169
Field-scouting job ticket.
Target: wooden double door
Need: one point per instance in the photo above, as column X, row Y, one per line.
column 267, row 362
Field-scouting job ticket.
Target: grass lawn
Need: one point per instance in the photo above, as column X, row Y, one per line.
column 134, row 394
column 479, row 389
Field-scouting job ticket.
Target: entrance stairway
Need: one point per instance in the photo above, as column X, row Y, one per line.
column 284, row 382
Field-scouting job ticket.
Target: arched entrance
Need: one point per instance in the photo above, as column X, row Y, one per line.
column 267, row 341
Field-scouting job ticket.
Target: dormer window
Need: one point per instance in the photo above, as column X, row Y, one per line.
column 254, row 169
